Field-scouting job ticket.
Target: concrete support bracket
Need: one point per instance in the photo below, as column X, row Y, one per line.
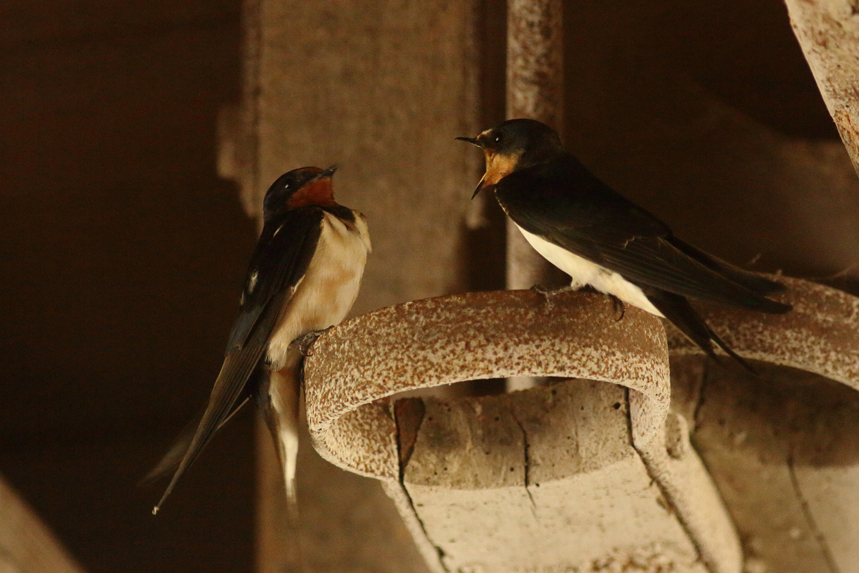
column 781, row 446
column 828, row 32
column 572, row 474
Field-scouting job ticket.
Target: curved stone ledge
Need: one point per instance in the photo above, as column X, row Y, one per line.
column 474, row 336
column 820, row 335
column 527, row 466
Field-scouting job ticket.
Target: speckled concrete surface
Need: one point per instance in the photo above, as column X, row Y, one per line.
column 558, row 476
column 782, row 446
column 819, row 335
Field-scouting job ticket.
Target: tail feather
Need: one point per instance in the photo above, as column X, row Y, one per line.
column 229, row 393
column 683, row 315
column 279, row 402
column 173, row 458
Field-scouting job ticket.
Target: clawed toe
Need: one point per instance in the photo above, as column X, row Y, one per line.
column 308, row 340
column 618, row 305
column 547, row 291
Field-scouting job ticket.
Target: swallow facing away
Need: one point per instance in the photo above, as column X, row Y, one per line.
column 303, row 277
column 601, row 239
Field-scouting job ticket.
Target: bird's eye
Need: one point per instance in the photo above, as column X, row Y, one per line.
column 498, row 138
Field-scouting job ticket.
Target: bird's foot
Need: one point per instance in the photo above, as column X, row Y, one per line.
column 618, row 305
column 548, row 293
column 306, row 342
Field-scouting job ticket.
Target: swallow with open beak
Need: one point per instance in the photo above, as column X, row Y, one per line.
column 303, row 277
column 598, row 237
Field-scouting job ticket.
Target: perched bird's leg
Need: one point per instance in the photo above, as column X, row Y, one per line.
column 548, row 293
column 305, row 342
column 618, row 305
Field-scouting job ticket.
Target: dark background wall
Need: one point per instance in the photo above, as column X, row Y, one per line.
column 708, row 115
column 123, row 253
column 122, row 257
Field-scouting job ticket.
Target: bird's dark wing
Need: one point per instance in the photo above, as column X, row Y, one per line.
column 280, row 260
column 683, row 315
column 566, row 205
column 751, row 281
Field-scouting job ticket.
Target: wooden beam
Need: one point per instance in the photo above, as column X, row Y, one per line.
column 535, row 89
column 381, row 89
column 828, row 32
column 26, row 544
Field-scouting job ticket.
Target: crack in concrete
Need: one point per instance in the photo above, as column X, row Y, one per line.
column 408, row 417
column 700, row 398
column 671, row 507
column 413, row 433
column 527, row 454
column 629, row 422
column 439, row 551
column 809, row 518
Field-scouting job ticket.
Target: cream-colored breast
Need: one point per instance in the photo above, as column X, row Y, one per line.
column 326, row 293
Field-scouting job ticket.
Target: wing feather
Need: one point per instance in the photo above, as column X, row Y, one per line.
column 280, row 260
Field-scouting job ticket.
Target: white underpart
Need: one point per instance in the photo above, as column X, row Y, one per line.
column 584, row 272
column 322, row 298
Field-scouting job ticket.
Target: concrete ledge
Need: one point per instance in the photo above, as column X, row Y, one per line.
column 445, row 340
column 783, row 447
column 572, row 475
column 820, row 334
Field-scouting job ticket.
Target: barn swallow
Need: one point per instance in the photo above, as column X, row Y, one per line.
column 303, row 277
column 601, row 239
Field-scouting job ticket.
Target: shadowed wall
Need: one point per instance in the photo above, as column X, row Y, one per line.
column 122, row 257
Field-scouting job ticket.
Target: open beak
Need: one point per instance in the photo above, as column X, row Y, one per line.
column 471, row 140
column 476, row 142
column 479, row 187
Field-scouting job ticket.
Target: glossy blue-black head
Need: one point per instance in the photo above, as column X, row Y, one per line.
column 297, row 188
column 512, row 145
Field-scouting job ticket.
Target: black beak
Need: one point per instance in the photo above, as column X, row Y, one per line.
column 474, row 141
column 328, row 172
column 480, row 187
column 471, row 140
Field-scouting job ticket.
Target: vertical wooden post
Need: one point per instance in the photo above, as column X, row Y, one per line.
column 382, row 89
column 828, row 33
column 535, row 89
